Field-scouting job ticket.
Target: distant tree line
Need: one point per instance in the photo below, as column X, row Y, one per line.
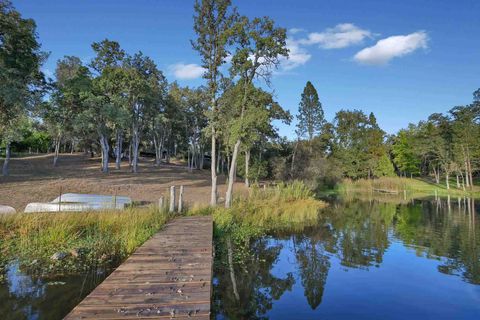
column 354, row 146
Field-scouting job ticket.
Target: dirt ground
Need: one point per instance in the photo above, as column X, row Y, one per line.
column 34, row 179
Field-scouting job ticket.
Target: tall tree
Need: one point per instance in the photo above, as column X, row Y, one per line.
column 213, row 23
column 20, row 75
column 310, row 113
column 260, row 45
column 256, row 125
column 72, row 79
column 104, row 111
column 145, row 85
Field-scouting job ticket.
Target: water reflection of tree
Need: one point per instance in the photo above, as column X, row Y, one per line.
column 445, row 231
column 313, row 264
column 360, row 232
column 257, row 287
column 356, row 232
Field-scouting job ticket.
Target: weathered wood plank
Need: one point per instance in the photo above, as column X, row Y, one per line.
column 169, row 276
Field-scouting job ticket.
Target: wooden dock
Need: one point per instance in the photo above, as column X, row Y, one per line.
column 169, row 276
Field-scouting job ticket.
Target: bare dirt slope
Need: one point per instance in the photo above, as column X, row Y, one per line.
column 34, row 179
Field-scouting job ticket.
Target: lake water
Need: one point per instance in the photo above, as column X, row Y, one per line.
column 26, row 297
column 361, row 260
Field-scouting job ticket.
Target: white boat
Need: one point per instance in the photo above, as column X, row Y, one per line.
column 6, row 209
column 76, row 202
column 120, row 201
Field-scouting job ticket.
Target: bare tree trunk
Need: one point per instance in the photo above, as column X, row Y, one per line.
column 467, row 179
column 447, row 177
column 105, row 149
column 458, row 181
column 247, row 167
column 292, row 165
column 155, row 145
column 228, row 164
column 465, row 160
column 202, row 157
column 469, row 167
column 135, row 145
column 231, row 175
column 219, row 159
column 7, row 159
column 437, row 175
column 213, row 168
column 118, row 159
column 56, row 150
column 158, row 143
column 130, row 153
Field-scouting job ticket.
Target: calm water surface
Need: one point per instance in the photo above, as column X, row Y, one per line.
column 361, row 260
column 27, row 297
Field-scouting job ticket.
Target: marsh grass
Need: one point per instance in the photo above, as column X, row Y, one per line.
column 93, row 237
column 274, row 209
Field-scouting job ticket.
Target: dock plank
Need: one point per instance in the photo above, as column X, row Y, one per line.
column 169, row 276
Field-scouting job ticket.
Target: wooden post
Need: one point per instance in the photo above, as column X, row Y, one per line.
column 172, row 199
column 160, row 203
column 60, row 200
column 180, row 199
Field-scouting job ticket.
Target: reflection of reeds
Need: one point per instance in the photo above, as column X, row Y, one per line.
column 111, row 234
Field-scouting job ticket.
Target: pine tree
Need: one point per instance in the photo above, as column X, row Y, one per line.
column 310, row 113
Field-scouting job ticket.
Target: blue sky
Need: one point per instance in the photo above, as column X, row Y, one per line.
column 402, row 60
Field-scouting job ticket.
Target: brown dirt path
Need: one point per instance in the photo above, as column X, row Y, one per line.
column 34, row 179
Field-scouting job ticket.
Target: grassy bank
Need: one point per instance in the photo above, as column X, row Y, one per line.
column 71, row 242
column 414, row 187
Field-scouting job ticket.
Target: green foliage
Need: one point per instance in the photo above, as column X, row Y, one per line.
column 32, row 138
column 310, row 113
column 21, row 81
column 403, row 151
column 384, row 167
column 358, row 144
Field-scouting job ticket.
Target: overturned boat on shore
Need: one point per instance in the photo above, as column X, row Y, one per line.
column 75, row 202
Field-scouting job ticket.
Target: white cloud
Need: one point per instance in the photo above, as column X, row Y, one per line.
column 186, row 71
column 296, row 30
column 297, row 56
column 392, row 47
column 341, row 36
